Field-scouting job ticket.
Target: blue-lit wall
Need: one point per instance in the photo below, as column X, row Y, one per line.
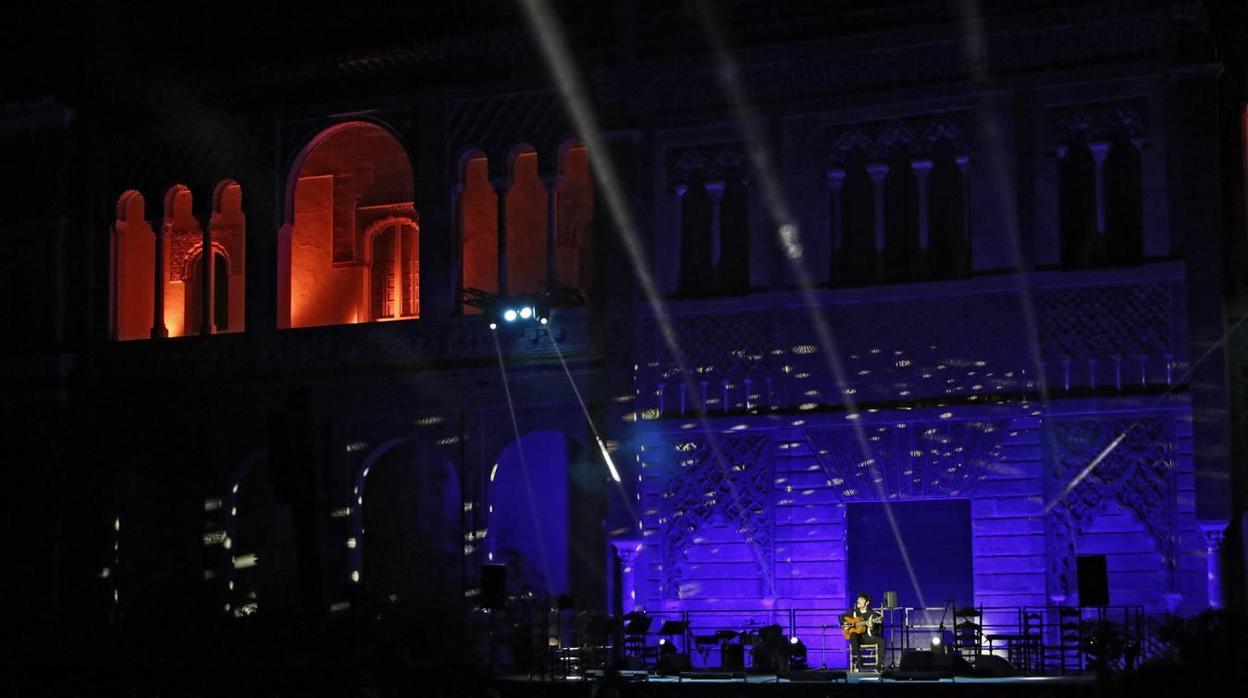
column 750, row 471
column 529, row 515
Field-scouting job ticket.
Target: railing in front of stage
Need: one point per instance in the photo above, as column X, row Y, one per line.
column 1035, row 639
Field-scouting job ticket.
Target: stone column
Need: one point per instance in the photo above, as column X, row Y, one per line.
column 551, row 183
column 715, row 190
column 962, row 161
column 159, row 331
column 396, row 273
column 501, row 185
column 457, row 244
column 205, row 287
column 627, row 551
column 878, row 172
column 679, row 190
column 1100, row 151
column 922, row 170
column 1215, row 537
column 836, row 182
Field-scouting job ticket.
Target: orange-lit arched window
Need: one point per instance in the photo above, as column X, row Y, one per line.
column 330, row 272
column 536, row 251
column 526, row 225
column 133, row 273
column 229, row 241
column 478, row 221
column 181, row 240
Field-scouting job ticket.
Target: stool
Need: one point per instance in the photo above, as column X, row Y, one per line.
column 870, row 658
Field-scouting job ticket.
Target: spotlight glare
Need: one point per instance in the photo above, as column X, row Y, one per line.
column 509, row 315
column 615, row 474
column 793, row 640
column 526, row 312
column 493, row 325
column 544, row 320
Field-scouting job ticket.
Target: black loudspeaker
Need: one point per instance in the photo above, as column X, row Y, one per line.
column 993, row 666
column 494, row 586
column 916, row 660
column 733, row 656
column 1093, row 580
column 925, row 664
column 673, row 664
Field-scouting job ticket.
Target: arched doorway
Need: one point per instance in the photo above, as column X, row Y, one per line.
column 529, row 513
column 409, row 532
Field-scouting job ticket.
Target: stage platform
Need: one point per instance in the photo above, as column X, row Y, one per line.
column 640, row 684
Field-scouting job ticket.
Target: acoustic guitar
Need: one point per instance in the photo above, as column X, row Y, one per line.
column 855, row 625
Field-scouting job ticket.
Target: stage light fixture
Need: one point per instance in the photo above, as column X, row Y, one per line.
column 493, row 325
column 797, row 654
column 526, row 312
column 509, row 315
column 936, row 644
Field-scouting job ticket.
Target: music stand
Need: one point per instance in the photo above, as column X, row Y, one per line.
column 635, row 632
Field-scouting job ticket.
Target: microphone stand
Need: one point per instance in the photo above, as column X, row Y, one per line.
column 941, row 631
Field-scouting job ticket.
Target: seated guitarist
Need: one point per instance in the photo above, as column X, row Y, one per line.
column 860, row 625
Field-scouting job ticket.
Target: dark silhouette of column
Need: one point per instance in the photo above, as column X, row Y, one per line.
column 501, row 185
column 159, row 331
column 836, row 182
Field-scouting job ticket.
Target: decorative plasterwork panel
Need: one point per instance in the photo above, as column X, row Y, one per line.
column 497, row 124
column 1110, row 320
column 707, row 163
column 915, row 136
column 718, row 479
column 1137, row 473
column 908, row 460
column 1100, row 121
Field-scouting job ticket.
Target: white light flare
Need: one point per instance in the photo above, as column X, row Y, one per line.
column 615, row 474
column 1085, row 472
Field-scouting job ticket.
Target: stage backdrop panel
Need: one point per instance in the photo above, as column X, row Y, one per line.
column 937, row 538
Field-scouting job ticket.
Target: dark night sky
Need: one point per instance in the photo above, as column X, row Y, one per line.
column 60, row 46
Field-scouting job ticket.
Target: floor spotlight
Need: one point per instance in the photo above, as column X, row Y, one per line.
column 797, row 654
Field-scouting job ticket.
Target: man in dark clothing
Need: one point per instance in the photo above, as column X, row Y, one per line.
column 866, row 631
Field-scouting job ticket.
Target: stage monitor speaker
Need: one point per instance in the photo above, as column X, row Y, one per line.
column 989, row 665
column 916, row 660
column 1093, row 580
column 926, row 664
column 673, row 664
column 818, row 675
column 494, row 586
column 890, row 599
